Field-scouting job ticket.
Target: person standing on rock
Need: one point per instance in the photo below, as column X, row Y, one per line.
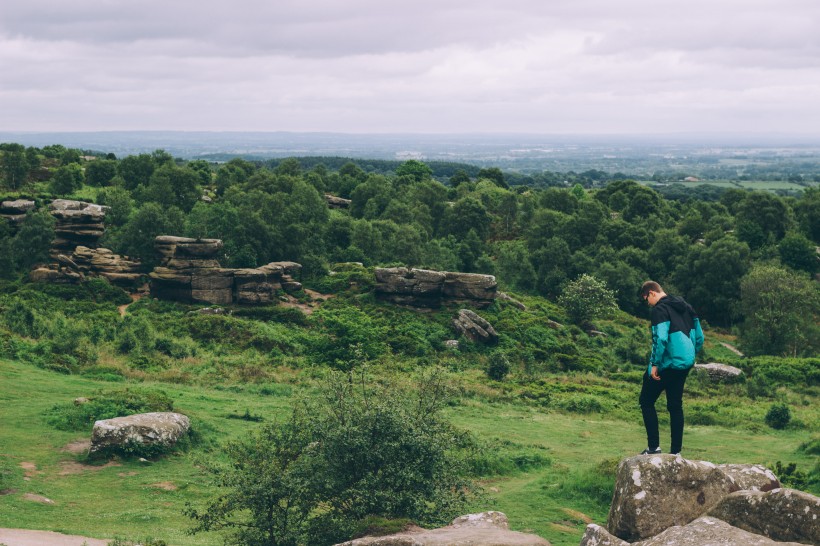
column 676, row 339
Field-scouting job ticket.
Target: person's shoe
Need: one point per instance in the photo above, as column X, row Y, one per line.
column 647, row 451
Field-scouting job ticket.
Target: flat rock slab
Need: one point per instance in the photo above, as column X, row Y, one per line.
column 28, row 537
column 781, row 514
column 720, row 373
column 484, row 529
column 708, row 531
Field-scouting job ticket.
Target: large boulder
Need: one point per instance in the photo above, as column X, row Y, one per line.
column 472, row 326
column 161, row 429
column 780, row 514
column 470, row 286
column 485, row 529
column 653, row 493
column 709, row 531
column 720, row 373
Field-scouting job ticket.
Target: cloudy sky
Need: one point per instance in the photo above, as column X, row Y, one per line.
column 426, row 66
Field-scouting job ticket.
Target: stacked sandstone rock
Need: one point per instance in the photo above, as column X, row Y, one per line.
column 74, row 253
column 190, row 273
column 14, row 212
column 78, row 224
column 427, row 288
column 665, row 499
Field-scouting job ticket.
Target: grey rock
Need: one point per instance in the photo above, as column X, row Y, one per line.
column 503, row 296
column 720, row 373
column 157, row 428
column 655, row 492
column 595, row 535
column 475, row 328
column 780, row 514
column 485, row 529
column 17, row 207
column 752, row 477
column 471, row 286
column 337, row 202
column 709, row 531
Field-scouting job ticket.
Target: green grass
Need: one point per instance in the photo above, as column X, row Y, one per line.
column 554, row 494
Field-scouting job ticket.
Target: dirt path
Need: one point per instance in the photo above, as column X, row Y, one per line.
column 306, row 308
column 733, row 349
column 27, row 537
column 134, row 298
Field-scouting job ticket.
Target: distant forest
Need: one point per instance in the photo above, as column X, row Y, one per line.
column 717, row 246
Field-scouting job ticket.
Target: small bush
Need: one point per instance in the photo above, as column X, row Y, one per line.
column 584, row 403
column 498, row 367
column 778, row 416
column 107, row 405
column 284, row 315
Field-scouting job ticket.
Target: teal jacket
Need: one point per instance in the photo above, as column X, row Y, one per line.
column 676, row 335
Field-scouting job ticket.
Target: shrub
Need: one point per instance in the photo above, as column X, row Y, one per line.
column 363, row 450
column 587, row 298
column 498, row 367
column 778, row 416
column 107, row 405
column 583, row 403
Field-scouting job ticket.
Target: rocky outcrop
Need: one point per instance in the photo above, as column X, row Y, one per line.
column 653, row 493
column 720, row 373
column 485, row 529
column 161, row 429
column 428, row 288
column 781, row 514
column 709, row 531
column 78, row 224
column 475, row 328
column 190, row 273
column 337, row 202
column 86, row 262
column 15, row 211
column 665, row 500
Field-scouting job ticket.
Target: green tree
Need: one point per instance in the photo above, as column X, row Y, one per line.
column 136, row 170
column 68, row 179
column 119, row 202
column 417, row 170
column 360, row 450
column 15, row 165
column 459, row 177
column 781, row 310
column 710, row 279
column 495, row 175
column 33, row 240
column 100, row 172
column 137, row 236
column 762, row 217
column 587, row 298
column 798, row 253
column 171, row 186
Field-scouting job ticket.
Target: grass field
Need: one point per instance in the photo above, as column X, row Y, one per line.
column 133, row 499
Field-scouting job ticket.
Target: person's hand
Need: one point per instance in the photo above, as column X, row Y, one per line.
column 654, row 374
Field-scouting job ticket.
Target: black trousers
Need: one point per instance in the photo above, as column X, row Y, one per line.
column 672, row 382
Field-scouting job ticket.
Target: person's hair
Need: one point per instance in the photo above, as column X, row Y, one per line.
column 649, row 286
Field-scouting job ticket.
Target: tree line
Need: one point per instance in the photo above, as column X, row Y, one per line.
column 744, row 259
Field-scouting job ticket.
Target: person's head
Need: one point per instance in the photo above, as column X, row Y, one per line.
column 651, row 292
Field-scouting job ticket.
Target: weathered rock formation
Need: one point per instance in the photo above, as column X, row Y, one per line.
column 653, row 493
column 720, row 373
column 14, row 212
column 86, row 262
column 337, row 202
column 485, row 529
column 780, row 514
column 190, row 273
column 78, row 224
column 666, row 500
column 163, row 429
column 427, row 288
column 475, row 328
